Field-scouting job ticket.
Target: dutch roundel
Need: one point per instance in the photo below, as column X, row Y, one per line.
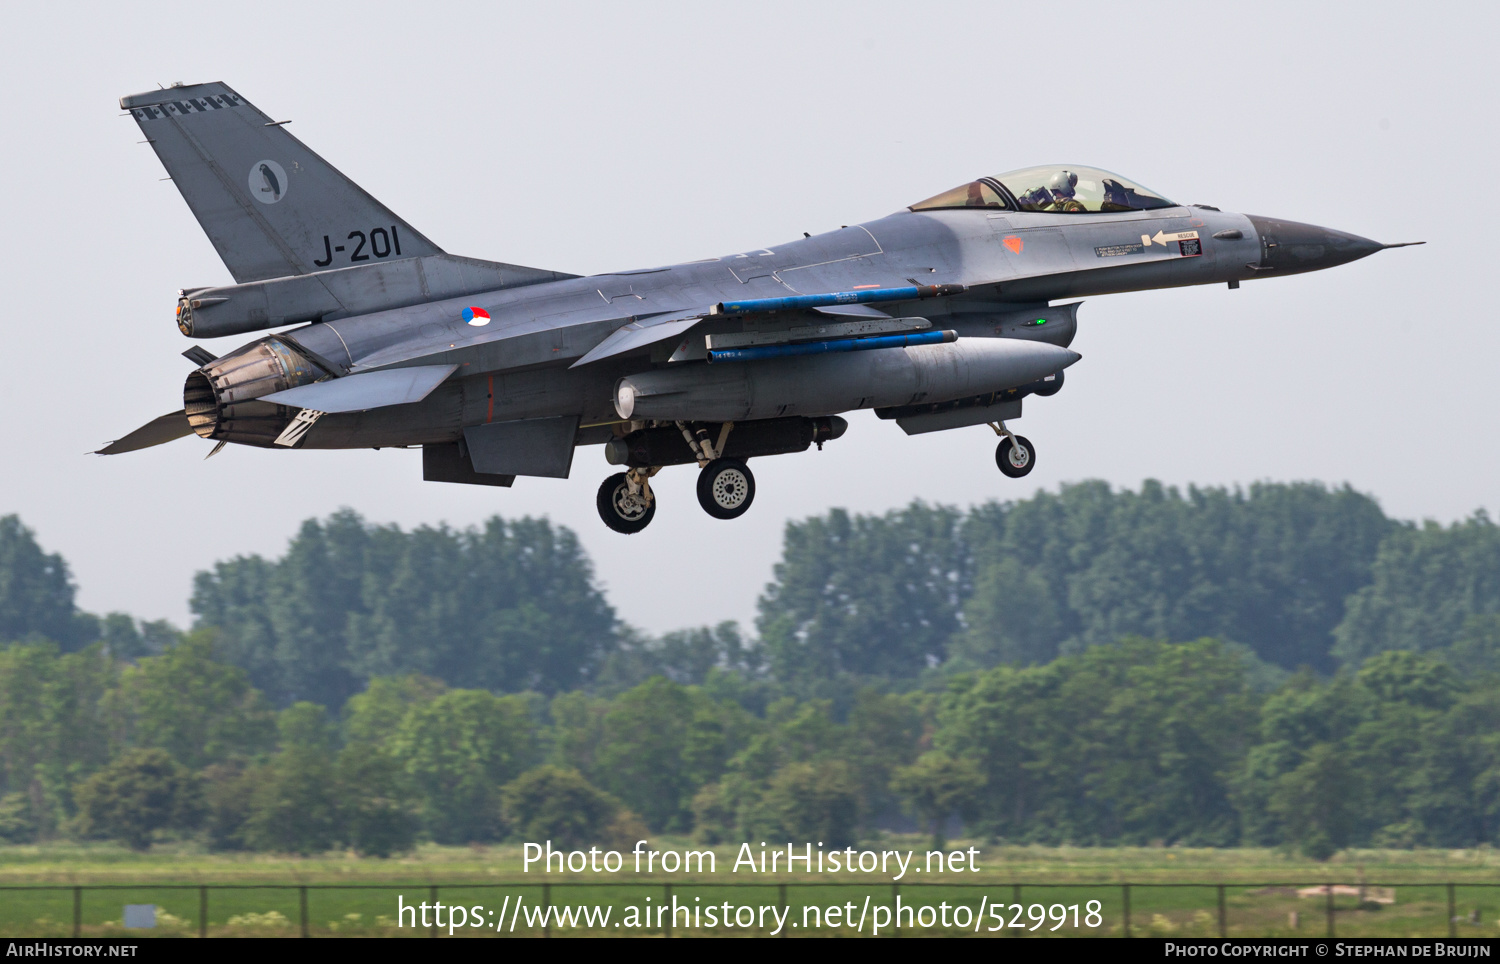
column 476, row 316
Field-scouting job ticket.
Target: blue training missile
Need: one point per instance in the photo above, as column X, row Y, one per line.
column 837, row 344
column 909, row 293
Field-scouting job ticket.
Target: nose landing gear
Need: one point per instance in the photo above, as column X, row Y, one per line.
column 1015, row 455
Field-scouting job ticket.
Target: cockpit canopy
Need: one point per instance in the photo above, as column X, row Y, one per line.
column 1052, row 190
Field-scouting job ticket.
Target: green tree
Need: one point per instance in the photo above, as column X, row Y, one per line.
column 294, row 803
column 812, row 802
column 227, row 791
column 884, row 732
column 126, row 640
column 1318, row 802
column 765, row 783
column 36, row 592
column 937, row 787
column 689, row 656
column 1427, row 583
column 558, row 805
column 379, row 809
column 17, row 824
column 199, row 710
column 1476, row 650
column 1169, row 739
column 641, row 752
column 509, row 607
column 1014, row 617
column 459, row 749
column 577, row 728
column 137, row 795
column 374, row 716
column 1269, row 568
column 1129, row 743
column 714, row 818
column 53, row 732
column 293, row 808
column 864, row 595
column 234, row 600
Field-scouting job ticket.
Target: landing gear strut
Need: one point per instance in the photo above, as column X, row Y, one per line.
column 626, row 502
column 1015, row 455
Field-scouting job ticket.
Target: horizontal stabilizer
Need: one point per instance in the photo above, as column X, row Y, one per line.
column 356, row 393
column 639, row 334
column 171, row 426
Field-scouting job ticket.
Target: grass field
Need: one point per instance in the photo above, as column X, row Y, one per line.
column 1173, row 891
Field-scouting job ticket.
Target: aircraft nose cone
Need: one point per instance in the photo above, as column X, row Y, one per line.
column 1290, row 247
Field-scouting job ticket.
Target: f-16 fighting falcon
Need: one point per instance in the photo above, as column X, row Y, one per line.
column 945, row 314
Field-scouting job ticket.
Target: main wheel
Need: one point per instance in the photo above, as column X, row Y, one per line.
column 620, row 510
column 1015, row 460
column 726, row 488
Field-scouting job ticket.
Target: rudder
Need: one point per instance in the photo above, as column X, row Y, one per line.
column 270, row 206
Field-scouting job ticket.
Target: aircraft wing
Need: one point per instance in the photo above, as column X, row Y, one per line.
column 647, row 331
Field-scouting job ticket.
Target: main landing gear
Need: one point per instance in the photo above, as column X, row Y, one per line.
column 626, row 502
column 726, row 486
column 1014, row 455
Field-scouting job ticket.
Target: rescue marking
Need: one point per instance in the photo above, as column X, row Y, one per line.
column 1161, row 237
column 1014, row 243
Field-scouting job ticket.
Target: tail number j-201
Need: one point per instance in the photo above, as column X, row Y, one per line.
column 379, row 243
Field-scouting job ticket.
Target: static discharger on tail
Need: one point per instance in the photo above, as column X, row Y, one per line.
column 945, row 314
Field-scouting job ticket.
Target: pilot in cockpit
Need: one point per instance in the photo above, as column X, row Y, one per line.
column 1063, row 186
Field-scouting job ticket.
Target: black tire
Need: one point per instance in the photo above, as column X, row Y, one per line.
column 726, row 488
column 611, row 493
column 1007, row 457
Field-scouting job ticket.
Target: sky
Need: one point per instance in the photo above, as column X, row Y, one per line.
column 597, row 137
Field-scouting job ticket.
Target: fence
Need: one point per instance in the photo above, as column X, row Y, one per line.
column 1124, row 909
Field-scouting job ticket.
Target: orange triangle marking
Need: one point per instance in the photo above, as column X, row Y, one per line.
column 1013, row 243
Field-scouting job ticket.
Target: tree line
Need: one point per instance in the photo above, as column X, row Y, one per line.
column 1007, row 669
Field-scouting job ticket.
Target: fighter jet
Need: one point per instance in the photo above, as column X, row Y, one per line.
column 947, row 313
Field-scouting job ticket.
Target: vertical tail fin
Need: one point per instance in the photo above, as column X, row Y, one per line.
column 271, row 206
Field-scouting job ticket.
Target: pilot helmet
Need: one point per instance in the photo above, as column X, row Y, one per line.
column 1062, row 183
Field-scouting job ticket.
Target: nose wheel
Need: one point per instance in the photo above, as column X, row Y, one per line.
column 726, row 488
column 1014, row 455
column 626, row 502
